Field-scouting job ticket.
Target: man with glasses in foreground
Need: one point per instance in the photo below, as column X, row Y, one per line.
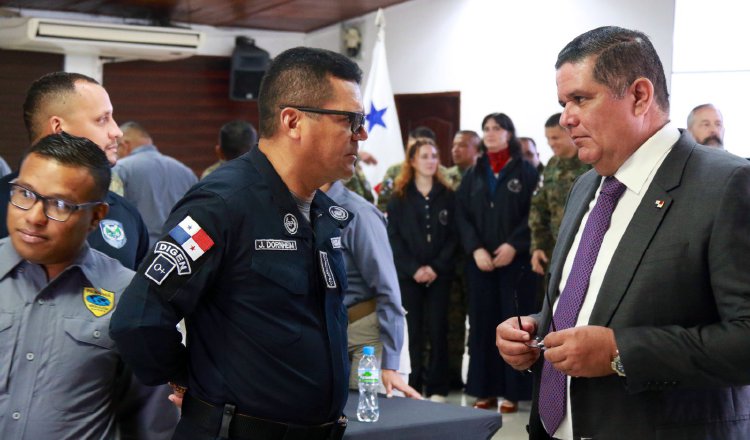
column 60, row 376
column 251, row 258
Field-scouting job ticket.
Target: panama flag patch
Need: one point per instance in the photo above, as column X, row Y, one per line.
column 191, row 237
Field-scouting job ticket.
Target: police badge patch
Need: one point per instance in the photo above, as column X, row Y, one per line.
column 443, row 217
column 514, row 185
column 290, row 223
column 113, row 233
column 99, row 302
column 338, row 213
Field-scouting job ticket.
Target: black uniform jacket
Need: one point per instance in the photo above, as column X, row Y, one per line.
column 261, row 294
column 422, row 231
column 486, row 219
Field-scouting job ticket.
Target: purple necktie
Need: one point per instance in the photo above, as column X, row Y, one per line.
column 553, row 386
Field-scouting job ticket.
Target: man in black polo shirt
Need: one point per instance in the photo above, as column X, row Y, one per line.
column 80, row 106
column 252, row 260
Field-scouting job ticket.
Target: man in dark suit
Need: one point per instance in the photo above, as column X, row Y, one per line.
column 658, row 342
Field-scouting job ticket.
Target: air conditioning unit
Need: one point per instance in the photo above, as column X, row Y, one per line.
column 106, row 40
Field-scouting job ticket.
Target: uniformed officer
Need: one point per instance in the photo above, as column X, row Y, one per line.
column 80, row 106
column 251, row 259
column 60, row 375
column 548, row 202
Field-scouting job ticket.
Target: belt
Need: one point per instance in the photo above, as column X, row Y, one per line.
column 360, row 310
column 231, row 425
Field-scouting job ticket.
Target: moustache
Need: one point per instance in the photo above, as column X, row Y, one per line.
column 713, row 140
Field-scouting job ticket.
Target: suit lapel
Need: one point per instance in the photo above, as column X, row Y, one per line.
column 640, row 232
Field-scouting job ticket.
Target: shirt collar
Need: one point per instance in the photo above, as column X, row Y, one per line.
column 9, row 260
column 634, row 173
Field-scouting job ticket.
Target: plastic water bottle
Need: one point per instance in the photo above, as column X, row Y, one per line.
column 369, row 378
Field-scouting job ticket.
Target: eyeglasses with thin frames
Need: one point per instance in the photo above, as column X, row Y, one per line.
column 356, row 119
column 55, row 209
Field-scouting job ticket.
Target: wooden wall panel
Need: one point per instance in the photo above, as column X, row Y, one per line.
column 182, row 104
column 18, row 69
column 439, row 111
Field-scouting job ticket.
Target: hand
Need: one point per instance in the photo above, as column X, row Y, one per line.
column 510, row 341
column 420, row 276
column 483, row 260
column 430, row 273
column 178, row 393
column 391, row 380
column 504, row 255
column 538, row 261
column 367, row 158
column 585, row 351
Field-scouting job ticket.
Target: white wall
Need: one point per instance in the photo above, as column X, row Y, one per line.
column 711, row 65
column 500, row 54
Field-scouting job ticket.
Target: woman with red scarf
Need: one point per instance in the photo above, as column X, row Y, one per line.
column 492, row 213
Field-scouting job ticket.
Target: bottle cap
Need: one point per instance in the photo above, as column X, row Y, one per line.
column 368, row 350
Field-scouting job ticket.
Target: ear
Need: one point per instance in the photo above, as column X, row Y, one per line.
column 219, row 153
column 290, row 121
column 642, row 91
column 55, row 124
column 98, row 213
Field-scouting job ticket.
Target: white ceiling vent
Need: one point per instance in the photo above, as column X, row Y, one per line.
column 102, row 39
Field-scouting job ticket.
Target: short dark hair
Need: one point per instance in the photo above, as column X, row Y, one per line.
column 422, row 132
column 236, row 137
column 622, row 56
column 553, row 121
column 77, row 152
column 527, row 139
column 52, row 86
column 504, row 121
column 300, row 76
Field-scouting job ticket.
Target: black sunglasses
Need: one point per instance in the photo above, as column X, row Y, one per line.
column 356, row 119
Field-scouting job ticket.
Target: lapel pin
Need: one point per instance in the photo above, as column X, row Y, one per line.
column 659, row 203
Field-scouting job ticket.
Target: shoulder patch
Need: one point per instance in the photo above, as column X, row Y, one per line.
column 192, row 238
column 99, row 302
column 338, row 213
column 336, row 242
column 113, row 233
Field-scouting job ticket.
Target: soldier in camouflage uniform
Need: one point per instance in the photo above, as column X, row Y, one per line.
column 548, row 203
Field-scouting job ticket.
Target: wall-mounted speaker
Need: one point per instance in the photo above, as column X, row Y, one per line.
column 249, row 64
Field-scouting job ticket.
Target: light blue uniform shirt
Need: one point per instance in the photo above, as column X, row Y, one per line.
column 153, row 183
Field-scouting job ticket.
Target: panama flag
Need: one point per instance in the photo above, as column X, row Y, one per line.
column 191, row 237
column 384, row 133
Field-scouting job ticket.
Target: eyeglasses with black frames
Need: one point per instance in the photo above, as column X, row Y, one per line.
column 356, row 119
column 55, row 209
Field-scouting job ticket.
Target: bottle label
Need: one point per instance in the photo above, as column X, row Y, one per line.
column 369, row 376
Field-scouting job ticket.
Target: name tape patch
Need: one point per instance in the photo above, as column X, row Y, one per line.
column 325, row 268
column 269, row 244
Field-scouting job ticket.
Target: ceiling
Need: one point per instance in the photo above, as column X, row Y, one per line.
column 278, row 15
